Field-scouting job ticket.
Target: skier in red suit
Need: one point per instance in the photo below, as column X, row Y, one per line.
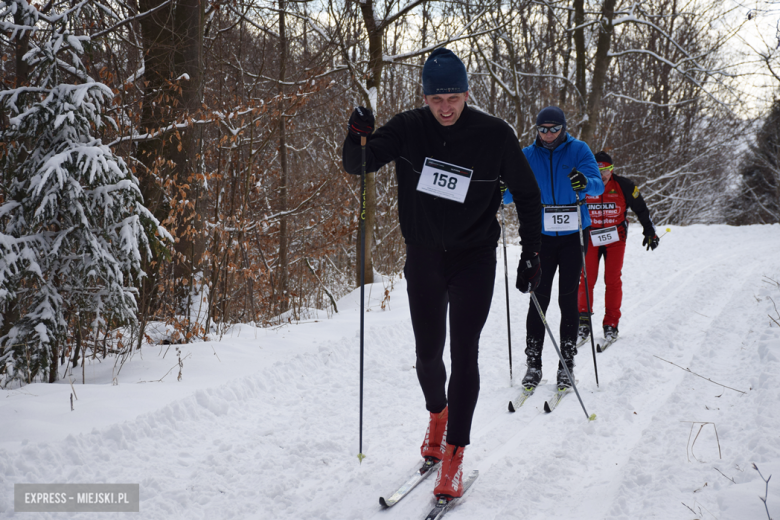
column 609, row 228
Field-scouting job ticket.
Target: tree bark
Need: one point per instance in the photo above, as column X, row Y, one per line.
column 173, row 41
column 600, row 69
column 566, row 60
column 283, row 293
column 374, row 81
column 188, row 60
column 579, row 47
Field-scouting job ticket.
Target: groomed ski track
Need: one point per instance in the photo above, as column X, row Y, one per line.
column 282, row 442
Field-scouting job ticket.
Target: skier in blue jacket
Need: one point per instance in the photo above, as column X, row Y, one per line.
column 562, row 165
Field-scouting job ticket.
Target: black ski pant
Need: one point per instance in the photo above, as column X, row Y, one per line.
column 461, row 282
column 561, row 254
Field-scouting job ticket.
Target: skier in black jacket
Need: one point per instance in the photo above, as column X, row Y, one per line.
column 450, row 160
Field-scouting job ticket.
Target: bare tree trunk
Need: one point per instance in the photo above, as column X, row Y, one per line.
column 369, row 228
column 188, row 60
column 566, row 61
column 579, row 47
column 599, row 72
column 53, row 362
column 493, row 85
column 21, row 46
column 282, row 296
column 374, row 81
column 173, row 40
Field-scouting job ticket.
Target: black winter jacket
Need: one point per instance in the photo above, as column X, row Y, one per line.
column 476, row 141
column 637, row 204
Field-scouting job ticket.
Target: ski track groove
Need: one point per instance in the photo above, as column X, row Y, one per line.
column 229, row 419
column 636, row 480
column 667, row 386
column 546, row 456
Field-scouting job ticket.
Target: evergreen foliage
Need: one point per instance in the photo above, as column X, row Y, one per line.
column 757, row 200
column 73, row 230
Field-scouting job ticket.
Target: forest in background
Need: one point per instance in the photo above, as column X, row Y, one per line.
column 178, row 162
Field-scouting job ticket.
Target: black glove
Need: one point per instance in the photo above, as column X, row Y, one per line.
column 651, row 241
column 529, row 273
column 361, row 123
column 578, row 180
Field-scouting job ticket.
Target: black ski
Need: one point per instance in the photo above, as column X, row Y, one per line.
column 428, row 467
column 443, row 504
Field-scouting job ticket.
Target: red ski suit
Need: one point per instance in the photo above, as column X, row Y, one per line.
column 606, row 210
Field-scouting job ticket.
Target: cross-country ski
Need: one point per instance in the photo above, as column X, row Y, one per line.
column 601, row 347
column 557, row 397
column 427, row 468
column 524, row 395
column 443, row 505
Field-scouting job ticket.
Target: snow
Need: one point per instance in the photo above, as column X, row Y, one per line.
column 264, row 423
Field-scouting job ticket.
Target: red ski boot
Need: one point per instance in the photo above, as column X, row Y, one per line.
column 449, row 481
column 433, row 445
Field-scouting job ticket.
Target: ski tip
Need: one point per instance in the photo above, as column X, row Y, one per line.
column 511, row 407
column 592, row 417
column 547, row 407
column 382, row 502
column 598, row 348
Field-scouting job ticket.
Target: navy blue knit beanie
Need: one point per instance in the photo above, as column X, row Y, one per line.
column 551, row 116
column 444, row 73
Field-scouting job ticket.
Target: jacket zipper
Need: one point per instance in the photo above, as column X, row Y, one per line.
column 444, row 216
column 552, row 182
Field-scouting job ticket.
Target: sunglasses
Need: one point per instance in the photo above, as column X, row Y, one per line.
column 606, row 167
column 553, row 129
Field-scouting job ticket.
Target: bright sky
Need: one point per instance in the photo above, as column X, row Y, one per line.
column 759, row 34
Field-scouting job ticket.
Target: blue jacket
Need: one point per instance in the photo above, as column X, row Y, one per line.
column 556, row 188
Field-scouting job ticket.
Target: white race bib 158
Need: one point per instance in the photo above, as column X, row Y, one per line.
column 602, row 237
column 444, row 180
column 560, row 218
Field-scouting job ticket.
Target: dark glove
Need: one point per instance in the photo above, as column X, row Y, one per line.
column 578, row 180
column 529, row 273
column 361, row 123
column 650, row 241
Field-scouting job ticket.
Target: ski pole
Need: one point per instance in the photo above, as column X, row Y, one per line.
column 560, row 356
column 362, row 279
column 506, row 285
column 587, row 287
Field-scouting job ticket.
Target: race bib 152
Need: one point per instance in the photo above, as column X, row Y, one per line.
column 560, row 218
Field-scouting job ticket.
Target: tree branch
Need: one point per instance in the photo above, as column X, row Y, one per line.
column 694, row 373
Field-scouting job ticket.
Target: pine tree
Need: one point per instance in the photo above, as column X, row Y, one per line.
column 73, row 228
column 758, row 197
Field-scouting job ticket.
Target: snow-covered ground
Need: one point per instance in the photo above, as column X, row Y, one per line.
column 264, row 423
